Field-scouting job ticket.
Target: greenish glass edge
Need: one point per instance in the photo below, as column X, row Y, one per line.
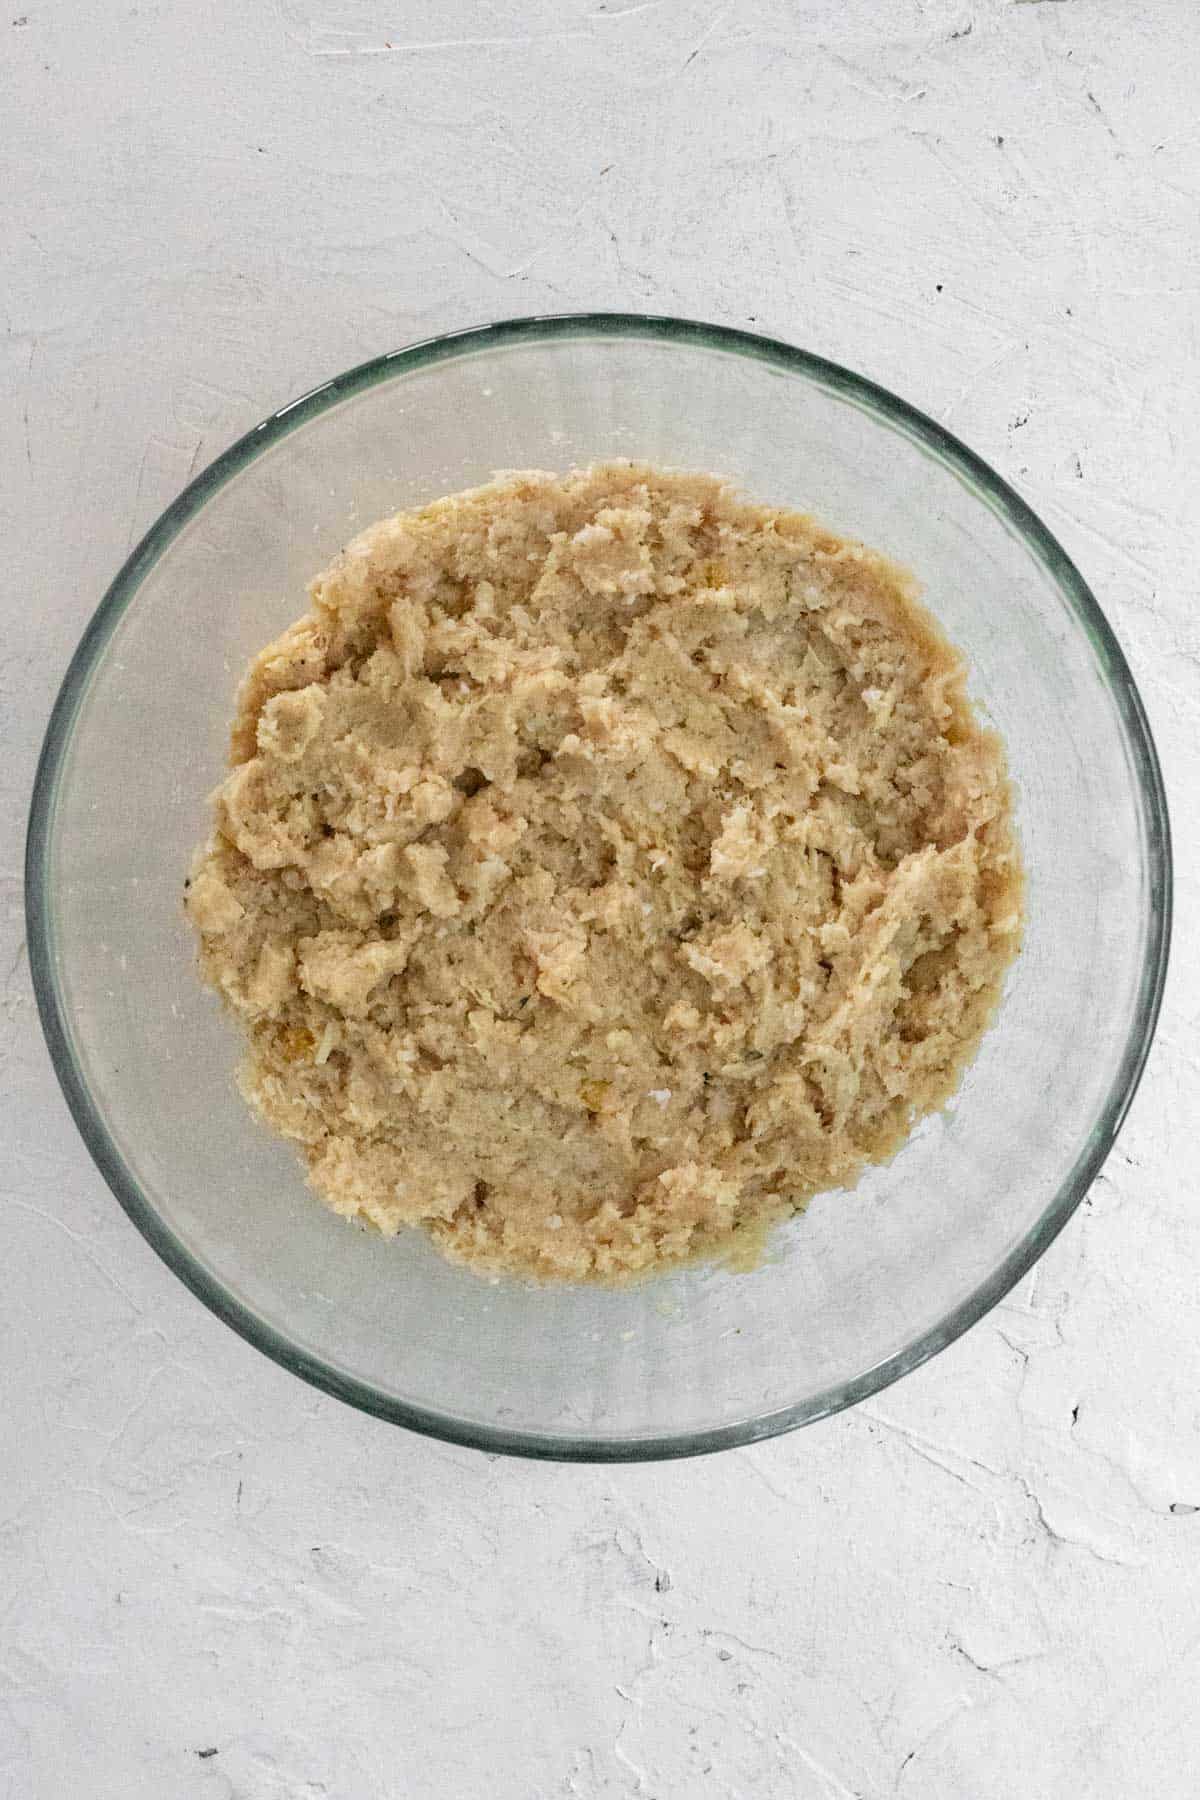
column 969, row 469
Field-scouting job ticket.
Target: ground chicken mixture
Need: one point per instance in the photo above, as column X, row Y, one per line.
column 607, row 865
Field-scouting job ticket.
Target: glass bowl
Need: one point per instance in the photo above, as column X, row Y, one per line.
column 866, row 1284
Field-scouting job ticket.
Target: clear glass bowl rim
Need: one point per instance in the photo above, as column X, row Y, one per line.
column 895, row 413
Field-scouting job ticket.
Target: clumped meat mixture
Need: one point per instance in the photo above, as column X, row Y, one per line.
column 607, row 865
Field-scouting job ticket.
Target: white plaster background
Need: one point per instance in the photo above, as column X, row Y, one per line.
column 215, row 1583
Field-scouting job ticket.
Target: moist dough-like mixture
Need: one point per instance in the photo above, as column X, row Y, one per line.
column 607, row 866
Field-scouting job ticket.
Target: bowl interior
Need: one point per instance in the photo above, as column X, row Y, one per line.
column 867, row 1282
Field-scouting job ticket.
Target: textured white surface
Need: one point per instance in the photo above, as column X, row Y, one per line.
column 983, row 1585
